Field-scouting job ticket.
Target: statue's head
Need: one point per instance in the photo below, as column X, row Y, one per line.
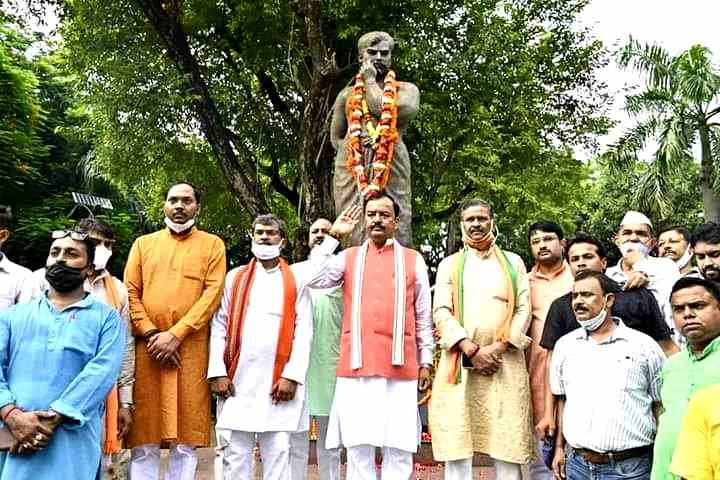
column 377, row 47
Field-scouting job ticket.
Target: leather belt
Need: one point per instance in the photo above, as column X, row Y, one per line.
column 609, row 457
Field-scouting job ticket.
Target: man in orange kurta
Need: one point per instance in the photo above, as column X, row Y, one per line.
column 550, row 278
column 174, row 278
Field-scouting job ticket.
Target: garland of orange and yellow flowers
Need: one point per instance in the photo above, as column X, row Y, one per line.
column 383, row 136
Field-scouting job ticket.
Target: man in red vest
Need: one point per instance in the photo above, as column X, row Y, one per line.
column 386, row 343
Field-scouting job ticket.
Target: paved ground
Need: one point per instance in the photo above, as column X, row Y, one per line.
column 207, row 457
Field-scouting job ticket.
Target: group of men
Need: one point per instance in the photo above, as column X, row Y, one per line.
column 574, row 369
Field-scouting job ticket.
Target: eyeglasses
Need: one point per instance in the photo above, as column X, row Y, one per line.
column 78, row 235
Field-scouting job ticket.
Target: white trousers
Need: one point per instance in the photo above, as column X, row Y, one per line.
column 238, row 455
column 462, row 470
column 328, row 458
column 397, row 464
column 145, row 462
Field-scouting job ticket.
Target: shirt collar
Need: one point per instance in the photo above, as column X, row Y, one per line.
column 535, row 272
column 714, row 346
column 388, row 244
column 85, row 302
column 4, row 263
column 619, row 333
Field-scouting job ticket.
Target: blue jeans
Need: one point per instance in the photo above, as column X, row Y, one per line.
column 636, row 468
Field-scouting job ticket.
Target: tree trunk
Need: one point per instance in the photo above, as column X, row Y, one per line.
column 316, row 156
column 711, row 200
column 239, row 174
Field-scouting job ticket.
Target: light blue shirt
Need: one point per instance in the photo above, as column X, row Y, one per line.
column 66, row 361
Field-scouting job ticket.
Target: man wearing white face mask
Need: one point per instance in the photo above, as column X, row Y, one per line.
column 637, row 268
column 607, row 380
column 674, row 243
column 174, row 278
column 259, row 355
column 111, row 290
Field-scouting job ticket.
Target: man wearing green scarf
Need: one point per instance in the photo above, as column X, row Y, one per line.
column 481, row 391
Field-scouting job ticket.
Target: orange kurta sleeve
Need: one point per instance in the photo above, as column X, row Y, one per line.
column 134, row 281
column 202, row 311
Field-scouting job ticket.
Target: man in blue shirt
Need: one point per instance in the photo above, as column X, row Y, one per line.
column 60, row 355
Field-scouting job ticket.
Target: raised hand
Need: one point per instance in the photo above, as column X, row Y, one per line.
column 346, row 221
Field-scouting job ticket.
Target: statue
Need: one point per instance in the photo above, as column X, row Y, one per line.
column 369, row 118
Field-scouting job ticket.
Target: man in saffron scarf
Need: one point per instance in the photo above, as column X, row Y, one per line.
column 386, row 342
column 259, row 353
column 481, row 392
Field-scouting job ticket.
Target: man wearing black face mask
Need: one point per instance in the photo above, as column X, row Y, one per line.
column 60, row 355
column 112, row 291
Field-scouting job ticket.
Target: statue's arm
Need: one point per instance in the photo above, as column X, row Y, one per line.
column 408, row 101
column 338, row 124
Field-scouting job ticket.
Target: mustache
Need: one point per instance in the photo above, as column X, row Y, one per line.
column 580, row 308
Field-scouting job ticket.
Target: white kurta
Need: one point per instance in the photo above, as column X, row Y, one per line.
column 375, row 410
column 251, row 408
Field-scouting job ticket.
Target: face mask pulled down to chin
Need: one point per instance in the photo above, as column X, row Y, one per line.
column 592, row 324
column 684, row 259
column 179, row 227
column 265, row 252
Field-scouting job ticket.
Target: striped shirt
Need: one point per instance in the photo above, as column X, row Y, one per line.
column 609, row 388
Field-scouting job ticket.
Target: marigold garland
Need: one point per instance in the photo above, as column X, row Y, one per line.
column 371, row 179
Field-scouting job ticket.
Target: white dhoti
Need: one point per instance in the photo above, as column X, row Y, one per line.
column 237, row 454
column 145, row 462
column 397, row 464
column 462, row 470
column 375, row 412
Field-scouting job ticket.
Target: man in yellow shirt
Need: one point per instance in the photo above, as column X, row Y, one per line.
column 697, row 454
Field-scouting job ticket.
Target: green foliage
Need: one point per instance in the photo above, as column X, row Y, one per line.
column 21, row 148
column 677, row 107
column 42, row 162
column 507, row 87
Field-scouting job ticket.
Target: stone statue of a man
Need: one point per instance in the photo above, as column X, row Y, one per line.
column 375, row 52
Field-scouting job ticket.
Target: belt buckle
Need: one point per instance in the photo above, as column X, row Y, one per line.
column 611, row 457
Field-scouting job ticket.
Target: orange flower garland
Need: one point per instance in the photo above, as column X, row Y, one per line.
column 371, row 179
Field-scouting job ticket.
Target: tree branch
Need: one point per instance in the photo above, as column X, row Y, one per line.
column 712, row 113
column 270, row 89
column 167, row 26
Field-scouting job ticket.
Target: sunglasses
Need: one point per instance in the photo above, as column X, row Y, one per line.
column 78, row 235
